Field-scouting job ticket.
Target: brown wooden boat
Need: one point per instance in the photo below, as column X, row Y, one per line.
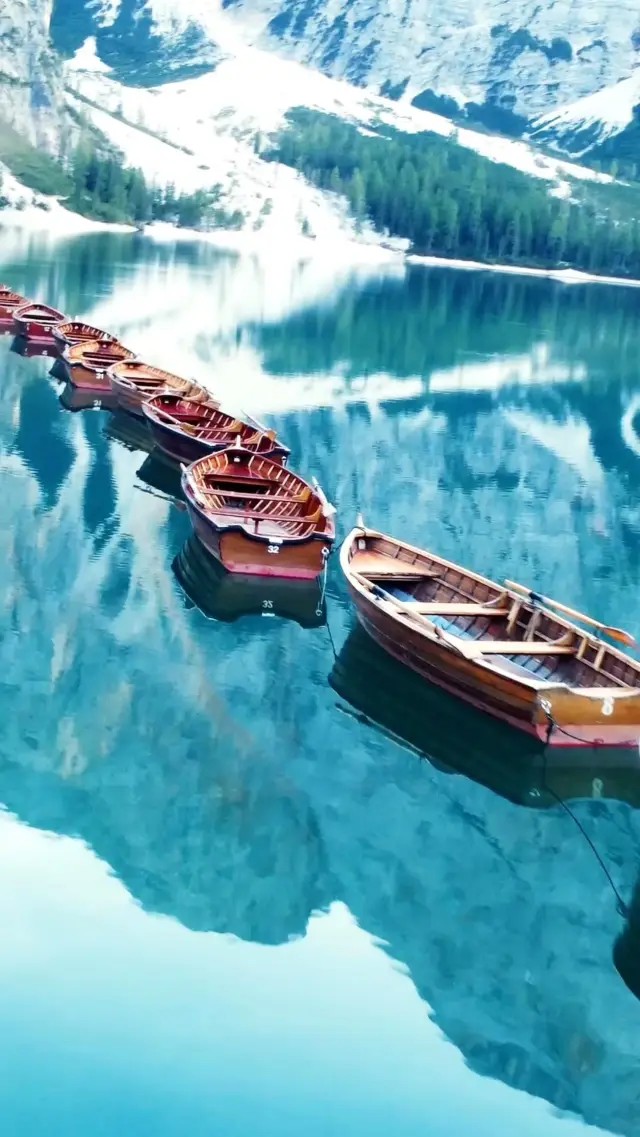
column 36, row 321
column 186, row 430
column 87, row 364
column 71, row 332
column 133, row 382
column 257, row 517
column 501, row 649
column 9, row 301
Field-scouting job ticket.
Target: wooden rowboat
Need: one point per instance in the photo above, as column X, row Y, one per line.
column 458, row 739
column 9, row 301
column 186, row 430
column 500, row 651
column 133, row 382
column 257, row 517
column 71, row 332
column 226, row 596
column 87, row 364
column 36, row 321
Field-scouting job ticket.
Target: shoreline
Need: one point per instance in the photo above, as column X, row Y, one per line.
column 59, row 222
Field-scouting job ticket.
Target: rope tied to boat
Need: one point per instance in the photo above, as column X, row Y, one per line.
column 621, row 906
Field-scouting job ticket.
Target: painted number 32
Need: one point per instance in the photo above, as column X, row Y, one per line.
column 273, row 548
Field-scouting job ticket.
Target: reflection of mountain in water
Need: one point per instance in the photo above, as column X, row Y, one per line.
column 206, row 761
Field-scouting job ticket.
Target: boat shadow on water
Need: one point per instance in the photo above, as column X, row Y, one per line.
column 458, row 739
column 225, row 596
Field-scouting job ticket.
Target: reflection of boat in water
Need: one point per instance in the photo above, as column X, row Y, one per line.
column 79, row 399
column 462, row 740
column 626, row 952
column 129, row 431
column 161, row 475
column 29, row 348
column 221, row 595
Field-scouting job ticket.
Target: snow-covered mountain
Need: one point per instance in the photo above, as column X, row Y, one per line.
column 525, row 57
column 189, row 92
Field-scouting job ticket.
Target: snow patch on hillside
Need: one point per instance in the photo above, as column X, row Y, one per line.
column 208, row 131
column 609, row 110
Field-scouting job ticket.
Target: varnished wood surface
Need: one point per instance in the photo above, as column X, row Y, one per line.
column 597, row 700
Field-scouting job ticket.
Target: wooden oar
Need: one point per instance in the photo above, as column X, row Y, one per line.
column 452, row 641
column 535, row 598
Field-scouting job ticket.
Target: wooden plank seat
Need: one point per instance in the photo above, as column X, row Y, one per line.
column 518, row 647
column 301, row 497
column 377, row 565
column 442, row 609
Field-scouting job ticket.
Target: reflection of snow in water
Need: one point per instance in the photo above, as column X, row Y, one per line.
column 570, row 441
column 628, row 430
column 534, row 366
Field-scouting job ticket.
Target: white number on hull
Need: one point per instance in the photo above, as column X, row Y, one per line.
column 273, row 548
column 607, row 706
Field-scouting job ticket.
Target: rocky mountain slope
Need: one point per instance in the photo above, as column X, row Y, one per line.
column 190, row 94
column 490, row 58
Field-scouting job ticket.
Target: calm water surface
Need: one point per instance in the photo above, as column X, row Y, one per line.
column 231, row 903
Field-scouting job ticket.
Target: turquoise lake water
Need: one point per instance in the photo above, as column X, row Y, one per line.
column 231, row 902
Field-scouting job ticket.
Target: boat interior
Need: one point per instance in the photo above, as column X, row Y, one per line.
column 269, row 503
column 484, row 621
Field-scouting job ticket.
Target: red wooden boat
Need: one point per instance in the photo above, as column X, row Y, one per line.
column 257, row 517
column 9, row 301
column 87, row 364
column 133, row 382
column 36, row 321
column 186, row 430
column 499, row 647
column 71, row 332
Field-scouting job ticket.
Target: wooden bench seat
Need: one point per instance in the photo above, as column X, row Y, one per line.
column 434, row 608
column 377, row 566
column 518, row 647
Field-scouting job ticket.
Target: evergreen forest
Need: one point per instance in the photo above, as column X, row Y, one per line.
column 451, row 202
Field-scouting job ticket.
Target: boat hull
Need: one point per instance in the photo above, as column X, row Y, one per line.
column 227, row 597
column 128, row 397
column 34, row 331
column 184, row 449
column 237, row 552
column 459, row 739
column 557, row 716
column 87, row 378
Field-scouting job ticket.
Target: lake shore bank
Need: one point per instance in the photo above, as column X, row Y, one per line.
column 60, row 222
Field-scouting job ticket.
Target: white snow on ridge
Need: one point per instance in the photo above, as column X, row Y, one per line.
column 611, row 109
column 207, row 130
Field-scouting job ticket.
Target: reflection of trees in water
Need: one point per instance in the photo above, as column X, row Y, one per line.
column 437, row 317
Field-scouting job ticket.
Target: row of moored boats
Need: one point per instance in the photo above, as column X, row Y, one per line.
column 527, row 660
column 247, row 509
